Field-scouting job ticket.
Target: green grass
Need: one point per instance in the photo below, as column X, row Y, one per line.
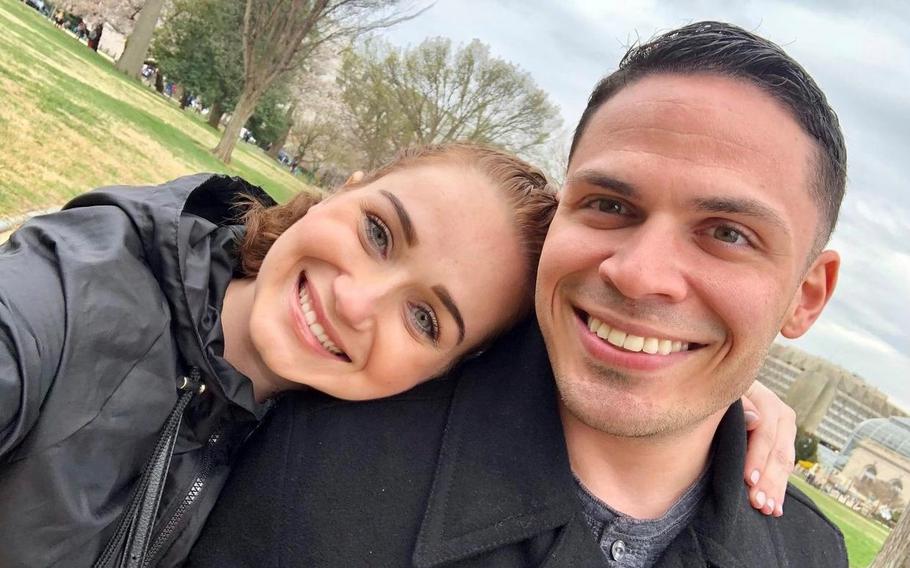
column 864, row 538
column 69, row 121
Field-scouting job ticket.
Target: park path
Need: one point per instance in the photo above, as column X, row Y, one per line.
column 9, row 224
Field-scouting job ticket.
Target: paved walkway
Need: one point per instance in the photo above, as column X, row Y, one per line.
column 9, row 224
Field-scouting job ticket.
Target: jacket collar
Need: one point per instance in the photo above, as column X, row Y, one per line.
column 192, row 257
column 726, row 520
column 503, row 473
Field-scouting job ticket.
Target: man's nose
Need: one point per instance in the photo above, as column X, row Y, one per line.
column 358, row 301
column 647, row 264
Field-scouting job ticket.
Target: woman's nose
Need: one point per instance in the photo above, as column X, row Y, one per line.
column 357, row 302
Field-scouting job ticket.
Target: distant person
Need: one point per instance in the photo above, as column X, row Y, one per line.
column 703, row 182
column 94, row 36
column 80, row 29
column 59, row 18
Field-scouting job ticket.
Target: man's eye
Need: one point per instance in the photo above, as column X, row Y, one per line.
column 611, row 206
column 378, row 234
column 424, row 320
column 730, row 235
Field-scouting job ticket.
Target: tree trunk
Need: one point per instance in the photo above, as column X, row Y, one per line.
column 137, row 44
column 215, row 114
column 896, row 551
column 246, row 105
column 282, row 139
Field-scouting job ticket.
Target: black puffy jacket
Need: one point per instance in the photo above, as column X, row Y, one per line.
column 104, row 308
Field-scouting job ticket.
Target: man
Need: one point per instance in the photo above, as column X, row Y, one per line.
column 703, row 182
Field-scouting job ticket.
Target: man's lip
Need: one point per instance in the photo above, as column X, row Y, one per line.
column 321, row 318
column 633, row 328
column 607, row 353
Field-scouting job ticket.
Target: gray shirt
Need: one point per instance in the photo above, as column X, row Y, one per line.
column 636, row 543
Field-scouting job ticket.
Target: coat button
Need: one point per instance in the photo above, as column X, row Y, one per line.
column 618, row 550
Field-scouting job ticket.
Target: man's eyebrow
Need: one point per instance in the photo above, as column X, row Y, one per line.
column 410, row 235
column 604, row 181
column 449, row 303
column 741, row 206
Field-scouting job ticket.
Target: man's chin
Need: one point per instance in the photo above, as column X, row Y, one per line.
column 618, row 413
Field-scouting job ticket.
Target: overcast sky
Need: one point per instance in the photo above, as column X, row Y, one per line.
column 858, row 52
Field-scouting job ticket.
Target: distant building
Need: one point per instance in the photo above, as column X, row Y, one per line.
column 879, row 451
column 830, row 402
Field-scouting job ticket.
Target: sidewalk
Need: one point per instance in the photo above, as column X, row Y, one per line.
column 9, row 224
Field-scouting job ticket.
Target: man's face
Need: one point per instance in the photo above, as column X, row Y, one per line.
column 679, row 250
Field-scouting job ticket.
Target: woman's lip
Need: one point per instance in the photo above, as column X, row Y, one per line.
column 321, row 319
column 302, row 329
column 616, row 357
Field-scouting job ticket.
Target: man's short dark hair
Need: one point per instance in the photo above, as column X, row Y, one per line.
column 725, row 49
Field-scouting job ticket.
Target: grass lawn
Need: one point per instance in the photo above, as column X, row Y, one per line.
column 864, row 538
column 69, row 122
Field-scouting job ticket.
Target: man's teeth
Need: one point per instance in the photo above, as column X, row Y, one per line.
column 310, row 316
column 635, row 343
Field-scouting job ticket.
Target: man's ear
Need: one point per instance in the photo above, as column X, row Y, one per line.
column 813, row 294
column 355, row 177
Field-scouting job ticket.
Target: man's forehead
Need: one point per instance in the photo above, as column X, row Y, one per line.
column 727, row 142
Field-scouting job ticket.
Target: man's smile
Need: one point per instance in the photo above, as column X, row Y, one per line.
column 630, row 345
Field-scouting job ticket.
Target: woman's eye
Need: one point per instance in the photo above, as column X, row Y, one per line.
column 730, row 235
column 424, row 320
column 378, row 234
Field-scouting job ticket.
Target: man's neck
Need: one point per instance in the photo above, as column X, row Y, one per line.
column 640, row 477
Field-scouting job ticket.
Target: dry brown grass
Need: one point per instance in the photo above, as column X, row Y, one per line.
column 69, row 122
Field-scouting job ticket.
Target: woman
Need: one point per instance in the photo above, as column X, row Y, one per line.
column 130, row 310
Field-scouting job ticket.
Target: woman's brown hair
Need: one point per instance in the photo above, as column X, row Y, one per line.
column 532, row 198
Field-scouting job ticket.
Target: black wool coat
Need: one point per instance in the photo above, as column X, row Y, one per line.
column 468, row 470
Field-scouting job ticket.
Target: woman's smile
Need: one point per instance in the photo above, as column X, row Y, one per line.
column 312, row 324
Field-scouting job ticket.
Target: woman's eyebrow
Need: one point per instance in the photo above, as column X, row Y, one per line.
column 410, row 235
column 450, row 305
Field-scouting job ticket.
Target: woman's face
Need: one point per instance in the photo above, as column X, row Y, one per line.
column 381, row 287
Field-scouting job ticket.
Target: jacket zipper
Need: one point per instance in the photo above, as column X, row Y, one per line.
column 128, row 545
column 164, row 537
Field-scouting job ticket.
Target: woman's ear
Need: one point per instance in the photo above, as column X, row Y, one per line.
column 812, row 295
column 355, row 177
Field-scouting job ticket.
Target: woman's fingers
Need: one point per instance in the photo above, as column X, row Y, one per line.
column 771, row 452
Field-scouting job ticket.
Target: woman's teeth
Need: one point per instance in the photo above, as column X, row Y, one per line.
column 634, row 343
column 310, row 316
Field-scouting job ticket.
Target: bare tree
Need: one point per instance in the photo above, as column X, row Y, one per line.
column 436, row 93
column 138, row 42
column 318, row 132
column 279, row 35
column 896, row 551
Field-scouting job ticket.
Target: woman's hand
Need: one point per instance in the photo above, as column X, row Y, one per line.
column 771, row 450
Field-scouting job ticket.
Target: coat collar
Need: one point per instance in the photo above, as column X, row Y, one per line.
column 726, row 520
column 503, row 473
